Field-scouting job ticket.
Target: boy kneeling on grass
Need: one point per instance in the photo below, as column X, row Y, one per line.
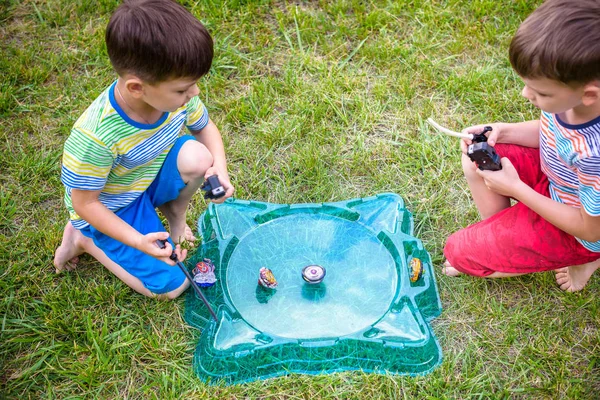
column 125, row 155
column 551, row 166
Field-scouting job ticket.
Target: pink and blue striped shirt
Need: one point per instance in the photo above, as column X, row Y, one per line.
column 570, row 157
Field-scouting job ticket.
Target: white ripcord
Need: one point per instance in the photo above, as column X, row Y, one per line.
column 448, row 131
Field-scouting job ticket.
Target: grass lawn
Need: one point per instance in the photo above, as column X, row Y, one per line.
column 317, row 101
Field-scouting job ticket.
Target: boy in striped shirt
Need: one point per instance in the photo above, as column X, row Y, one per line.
column 550, row 166
column 125, row 155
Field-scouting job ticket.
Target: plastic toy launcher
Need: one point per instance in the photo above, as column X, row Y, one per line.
column 366, row 314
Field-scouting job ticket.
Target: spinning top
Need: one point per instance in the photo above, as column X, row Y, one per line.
column 266, row 278
column 313, row 274
column 204, row 273
column 416, row 269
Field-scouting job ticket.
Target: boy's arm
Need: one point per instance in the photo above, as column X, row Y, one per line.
column 522, row 133
column 88, row 207
column 211, row 138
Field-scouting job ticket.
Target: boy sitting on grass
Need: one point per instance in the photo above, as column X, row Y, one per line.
column 125, row 155
column 551, row 166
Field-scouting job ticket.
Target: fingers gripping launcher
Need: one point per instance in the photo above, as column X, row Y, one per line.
column 480, row 152
column 173, row 256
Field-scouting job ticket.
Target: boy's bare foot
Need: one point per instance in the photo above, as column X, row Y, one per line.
column 66, row 255
column 179, row 230
column 449, row 270
column 574, row 278
column 182, row 234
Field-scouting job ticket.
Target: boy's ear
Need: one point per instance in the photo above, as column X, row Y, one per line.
column 135, row 87
column 591, row 93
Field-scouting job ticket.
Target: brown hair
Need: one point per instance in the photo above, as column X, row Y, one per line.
column 158, row 40
column 560, row 40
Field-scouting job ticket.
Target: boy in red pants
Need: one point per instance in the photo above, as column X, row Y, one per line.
column 551, row 166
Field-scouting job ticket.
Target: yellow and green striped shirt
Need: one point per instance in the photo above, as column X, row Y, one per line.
column 108, row 151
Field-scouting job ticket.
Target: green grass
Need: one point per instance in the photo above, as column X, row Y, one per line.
column 317, row 101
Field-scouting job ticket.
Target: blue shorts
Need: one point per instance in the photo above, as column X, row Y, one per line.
column 157, row 276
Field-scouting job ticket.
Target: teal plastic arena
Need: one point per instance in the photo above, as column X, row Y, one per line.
column 365, row 315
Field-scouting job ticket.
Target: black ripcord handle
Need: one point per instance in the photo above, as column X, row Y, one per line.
column 213, row 188
column 162, row 244
column 480, row 137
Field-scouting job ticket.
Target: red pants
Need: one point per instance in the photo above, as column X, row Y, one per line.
column 516, row 239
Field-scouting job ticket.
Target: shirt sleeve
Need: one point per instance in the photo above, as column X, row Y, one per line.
column 588, row 172
column 197, row 115
column 87, row 161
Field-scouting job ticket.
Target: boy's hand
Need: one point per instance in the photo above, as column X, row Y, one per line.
column 493, row 136
column 148, row 245
column 505, row 182
column 224, row 180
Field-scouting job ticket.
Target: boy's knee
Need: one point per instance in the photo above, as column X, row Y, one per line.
column 452, row 247
column 193, row 160
column 173, row 294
